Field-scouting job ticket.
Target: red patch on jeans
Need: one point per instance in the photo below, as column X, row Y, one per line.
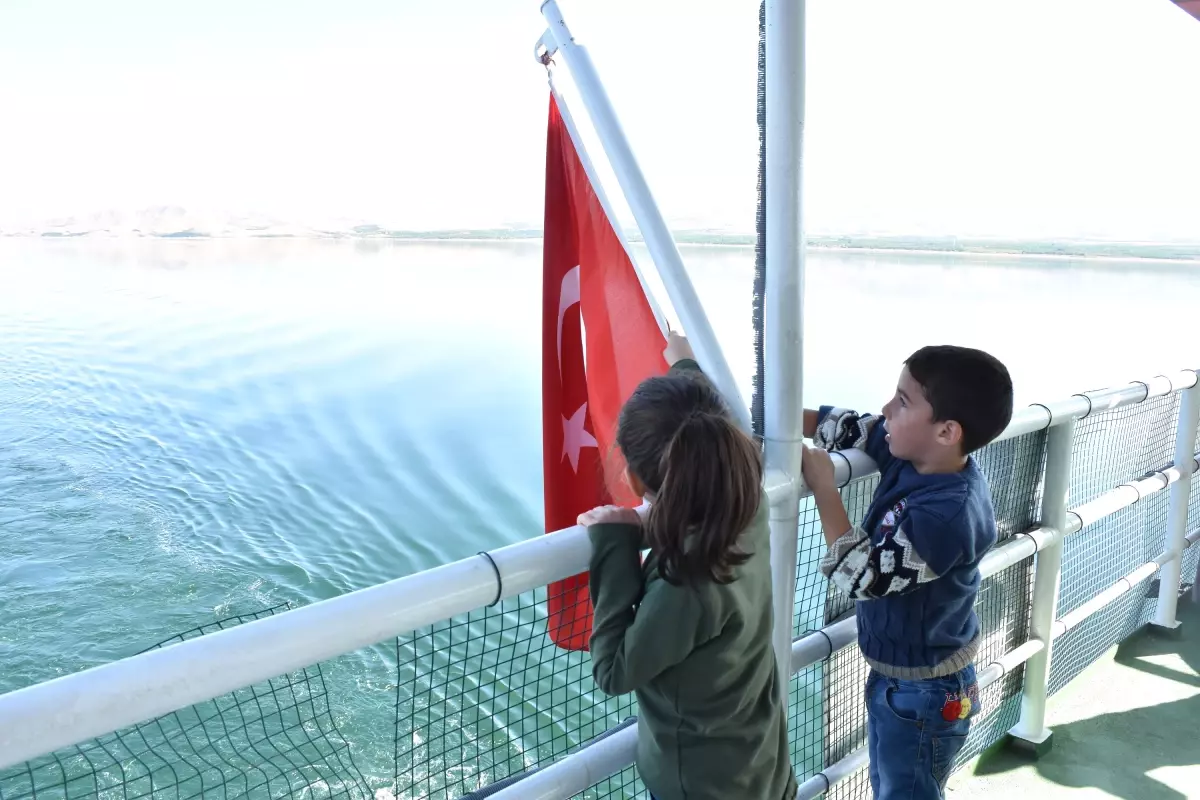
column 959, row 705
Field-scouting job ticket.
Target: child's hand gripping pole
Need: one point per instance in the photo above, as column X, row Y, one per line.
column 819, row 475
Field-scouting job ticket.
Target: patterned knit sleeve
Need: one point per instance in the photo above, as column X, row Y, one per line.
column 900, row 563
column 843, row 429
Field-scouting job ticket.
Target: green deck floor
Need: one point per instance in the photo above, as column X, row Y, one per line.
column 1128, row 727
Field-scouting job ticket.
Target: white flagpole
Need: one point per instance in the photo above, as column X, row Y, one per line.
column 645, row 211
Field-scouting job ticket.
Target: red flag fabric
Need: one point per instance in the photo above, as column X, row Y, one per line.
column 589, row 288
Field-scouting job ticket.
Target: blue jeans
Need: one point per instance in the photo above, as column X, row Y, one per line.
column 911, row 744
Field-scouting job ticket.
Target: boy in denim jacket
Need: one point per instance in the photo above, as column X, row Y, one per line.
column 913, row 564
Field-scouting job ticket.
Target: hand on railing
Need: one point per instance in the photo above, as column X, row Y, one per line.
column 605, row 515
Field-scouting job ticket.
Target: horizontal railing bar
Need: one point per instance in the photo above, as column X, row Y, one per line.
column 1124, row 496
column 576, row 773
column 588, row 765
column 1041, row 416
column 1123, row 586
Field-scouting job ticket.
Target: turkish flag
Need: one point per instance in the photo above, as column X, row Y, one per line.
column 589, row 287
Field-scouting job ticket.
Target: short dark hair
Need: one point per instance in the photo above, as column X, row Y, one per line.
column 679, row 439
column 967, row 386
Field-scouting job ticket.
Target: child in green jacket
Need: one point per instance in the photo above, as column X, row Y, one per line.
column 689, row 631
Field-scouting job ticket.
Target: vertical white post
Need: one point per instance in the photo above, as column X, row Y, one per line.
column 1177, row 519
column 783, row 424
column 1030, row 734
column 645, row 211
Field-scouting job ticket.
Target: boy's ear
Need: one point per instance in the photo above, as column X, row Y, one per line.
column 949, row 433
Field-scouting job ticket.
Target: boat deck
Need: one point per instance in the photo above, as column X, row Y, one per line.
column 1128, row 727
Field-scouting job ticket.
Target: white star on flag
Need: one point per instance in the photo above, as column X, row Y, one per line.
column 575, row 438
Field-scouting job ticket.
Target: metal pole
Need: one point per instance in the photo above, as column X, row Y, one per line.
column 1030, row 734
column 783, row 423
column 645, row 211
column 1177, row 519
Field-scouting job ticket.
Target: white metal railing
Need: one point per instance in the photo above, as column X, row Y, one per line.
column 49, row 716
column 73, row 708
column 577, row 772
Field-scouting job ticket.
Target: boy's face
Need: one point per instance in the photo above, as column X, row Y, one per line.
column 911, row 432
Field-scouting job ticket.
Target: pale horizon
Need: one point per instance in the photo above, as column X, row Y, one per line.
column 929, row 118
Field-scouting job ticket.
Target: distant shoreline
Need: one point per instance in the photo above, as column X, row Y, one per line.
column 1180, row 252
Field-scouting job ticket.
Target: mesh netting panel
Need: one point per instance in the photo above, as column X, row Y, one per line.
column 488, row 695
column 845, row 715
column 806, row 729
column 1014, row 469
column 816, row 606
column 273, row 740
column 1003, row 608
column 1122, row 445
column 1110, row 449
column 1080, row 647
column 1109, row 549
column 857, row 785
column 625, row 785
column 1190, row 568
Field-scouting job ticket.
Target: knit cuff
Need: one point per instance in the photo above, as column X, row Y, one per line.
column 845, row 557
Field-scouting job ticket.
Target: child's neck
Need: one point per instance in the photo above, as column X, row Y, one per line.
column 941, row 464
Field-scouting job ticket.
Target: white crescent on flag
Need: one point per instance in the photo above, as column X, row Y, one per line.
column 568, row 295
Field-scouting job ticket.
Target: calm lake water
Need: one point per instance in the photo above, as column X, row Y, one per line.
column 195, row 429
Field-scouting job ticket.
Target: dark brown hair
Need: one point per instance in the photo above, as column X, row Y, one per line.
column 967, row 386
column 679, row 439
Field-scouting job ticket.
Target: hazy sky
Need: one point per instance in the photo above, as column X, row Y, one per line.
column 1028, row 117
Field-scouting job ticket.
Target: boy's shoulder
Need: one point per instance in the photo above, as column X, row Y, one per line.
column 948, row 500
column 962, row 509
